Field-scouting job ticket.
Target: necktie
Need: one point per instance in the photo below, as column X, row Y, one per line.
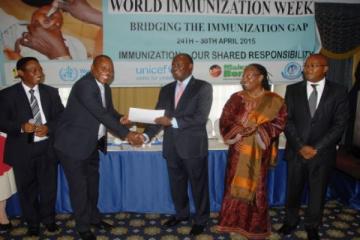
column 313, row 100
column 35, row 108
column 179, row 93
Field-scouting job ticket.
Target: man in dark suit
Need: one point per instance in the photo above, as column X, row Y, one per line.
column 29, row 112
column 187, row 103
column 81, row 132
column 317, row 116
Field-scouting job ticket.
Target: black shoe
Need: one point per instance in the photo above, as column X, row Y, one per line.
column 51, row 227
column 5, row 227
column 173, row 221
column 103, row 225
column 312, row 233
column 33, row 231
column 286, row 229
column 87, row 235
column 197, row 229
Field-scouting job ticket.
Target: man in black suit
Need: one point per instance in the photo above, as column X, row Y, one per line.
column 187, row 103
column 317, row 116
column 81, row 132
column 29, row 112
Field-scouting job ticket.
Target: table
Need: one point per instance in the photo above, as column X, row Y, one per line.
column 137, row 181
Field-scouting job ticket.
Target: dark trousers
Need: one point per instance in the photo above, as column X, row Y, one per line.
column 316, row 175
column 83, row 179
column 195, row 170
column 36, row 182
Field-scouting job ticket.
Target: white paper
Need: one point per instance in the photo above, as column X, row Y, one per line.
column 144, row 115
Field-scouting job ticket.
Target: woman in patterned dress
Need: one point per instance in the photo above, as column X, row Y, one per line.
column 250, row 124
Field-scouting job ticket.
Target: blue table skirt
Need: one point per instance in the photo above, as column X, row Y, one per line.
column 137, row 181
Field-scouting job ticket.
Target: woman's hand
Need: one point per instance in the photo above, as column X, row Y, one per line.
column 49, row 43
column 247, row 131
column 234, row 140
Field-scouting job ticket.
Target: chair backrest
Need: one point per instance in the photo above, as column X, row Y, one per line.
column 217, row 129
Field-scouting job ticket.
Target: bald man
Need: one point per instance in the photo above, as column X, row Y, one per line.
column 81, row 132
column 317, row 116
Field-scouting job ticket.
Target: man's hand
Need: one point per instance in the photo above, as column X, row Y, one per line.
column 28, row 127
column 41, row 130
column 164, row 121
column 135, row 139
column 124, row 120
column 307, row 152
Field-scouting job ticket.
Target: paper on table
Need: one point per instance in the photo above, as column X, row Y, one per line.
column 144, row 115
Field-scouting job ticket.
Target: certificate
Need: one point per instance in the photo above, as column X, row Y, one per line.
column 144, row 115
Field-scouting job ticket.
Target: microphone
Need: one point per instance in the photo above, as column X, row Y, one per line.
column 31, row 135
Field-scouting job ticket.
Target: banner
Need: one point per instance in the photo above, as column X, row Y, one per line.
column 222, row 36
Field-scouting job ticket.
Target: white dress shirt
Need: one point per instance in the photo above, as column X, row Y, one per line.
column 102, row 129
column 319, row 88
column 37, row 96
column 185, row 83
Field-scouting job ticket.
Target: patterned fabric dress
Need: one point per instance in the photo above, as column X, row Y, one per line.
column 7, row 180
column 3, row 167
column 248, row 218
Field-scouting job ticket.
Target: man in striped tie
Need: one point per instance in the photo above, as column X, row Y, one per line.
column 29, row 111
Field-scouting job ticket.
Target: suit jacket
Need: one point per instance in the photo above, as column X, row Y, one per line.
column 324, row 130
column 190, row 138
column 77, row 131
column 16, row 110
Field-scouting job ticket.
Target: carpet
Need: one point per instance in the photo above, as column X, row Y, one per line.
column 339, row 222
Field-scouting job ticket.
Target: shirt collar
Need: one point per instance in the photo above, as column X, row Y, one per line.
column 27, row 88
column 185, row 82
column 320, row 83
column 101, row 86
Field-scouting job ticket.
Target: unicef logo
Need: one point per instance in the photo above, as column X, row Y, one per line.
column 68, row 74
column 292, row 71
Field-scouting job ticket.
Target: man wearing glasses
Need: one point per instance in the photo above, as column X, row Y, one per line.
column 317, row 115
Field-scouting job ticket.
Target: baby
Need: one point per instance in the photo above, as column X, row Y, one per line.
column 50, row 19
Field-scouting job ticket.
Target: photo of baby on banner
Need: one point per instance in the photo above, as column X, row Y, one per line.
column 51, row 29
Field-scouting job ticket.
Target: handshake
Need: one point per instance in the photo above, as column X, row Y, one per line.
column 137, row 139
column 134, row 138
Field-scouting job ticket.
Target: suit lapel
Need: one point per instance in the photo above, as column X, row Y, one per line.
column 185, row 96
column 304, row 99
column 23, row 102
column 44, row 101
column 172, row 94
column 107, row 95
column 93, row 81
column 323, row 98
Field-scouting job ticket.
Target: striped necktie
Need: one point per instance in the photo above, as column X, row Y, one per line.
column 35, row 108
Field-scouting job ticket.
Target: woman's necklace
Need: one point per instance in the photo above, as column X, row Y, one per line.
column 255, row 95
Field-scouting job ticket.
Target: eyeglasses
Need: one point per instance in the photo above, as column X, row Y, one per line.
column 314, row 65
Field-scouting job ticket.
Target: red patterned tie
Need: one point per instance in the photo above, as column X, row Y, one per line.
column 179, row 93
